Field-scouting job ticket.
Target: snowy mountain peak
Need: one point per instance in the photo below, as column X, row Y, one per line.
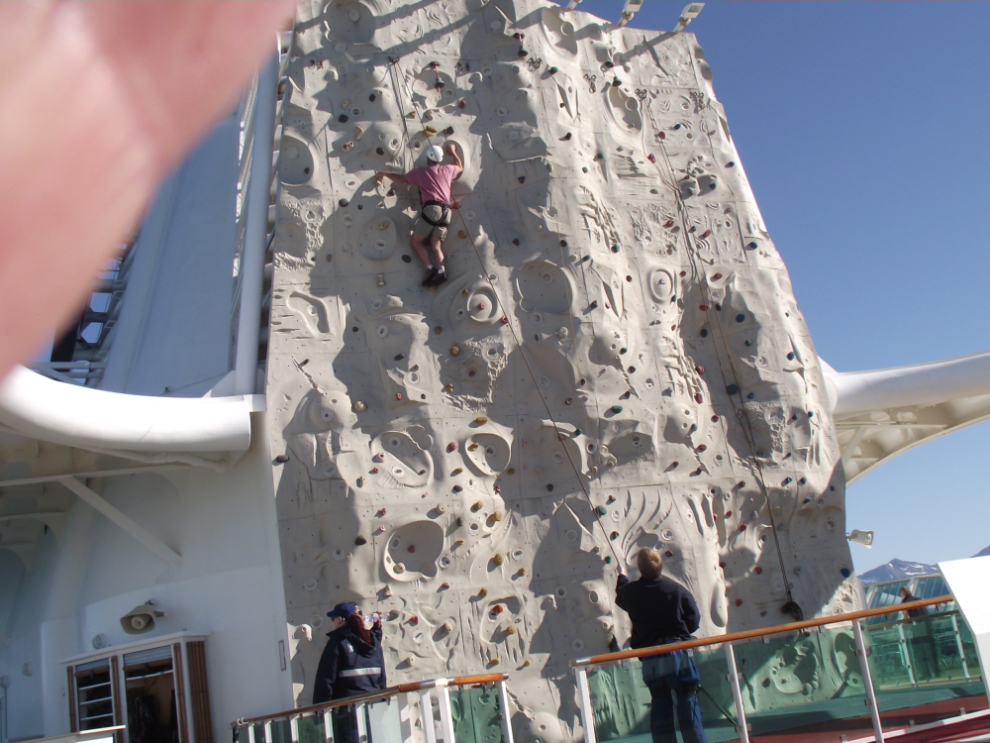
column 898, row 570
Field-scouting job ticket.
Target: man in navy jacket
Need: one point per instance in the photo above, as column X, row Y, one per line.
column 663, row 611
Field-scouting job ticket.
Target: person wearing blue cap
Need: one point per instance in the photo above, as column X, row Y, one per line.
column 352, row 663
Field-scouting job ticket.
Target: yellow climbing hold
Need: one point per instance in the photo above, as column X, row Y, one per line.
column 455, row 350
column 449, row 389
column 511, row 471
column 483, row 592
column 458, row 471
column 478, row 505
column 481, row 420
column 459, row 542
column 498, row 558
column 473, row 447
column 497, row 516
column 510, row 630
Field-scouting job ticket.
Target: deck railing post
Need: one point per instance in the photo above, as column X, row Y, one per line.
column 503, row 703
column 361, row 717
column 959, row 645
column 587, row 712
column 250, row 732
column 268, row 731
column 737, row 697
column 294, row 729
column 426, row 713
column 446, row 716
column 327, row 726
column 871, row 692
column 908, row 656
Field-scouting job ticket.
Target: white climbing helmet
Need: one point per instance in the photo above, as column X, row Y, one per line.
column 435, row 154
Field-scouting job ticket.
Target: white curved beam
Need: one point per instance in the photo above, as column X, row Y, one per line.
column 916, row 385
column 86, row 418
column 883, row 413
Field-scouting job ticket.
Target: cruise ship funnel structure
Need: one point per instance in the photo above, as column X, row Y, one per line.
column 617, row 361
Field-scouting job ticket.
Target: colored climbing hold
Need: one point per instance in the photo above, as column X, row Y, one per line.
column 790, row 356
column 752, row 245
column 505, row 320
column 407, row 258
column 549, row 487
column 811, row 414
column 438, row 329
column 703, row 307
column 602, row 510
column 669, row 223
column 462, row 104
column 758, row 570
column 616, row 409
column 455, row 350
column 553, row 70
column 482, row 593
column 728, row 513
column 342, row 118
column 510, row 630
column 445, row 585
column 732, row 389
column 787, row 481
column 477, row 506
column 698, row 398
column 651, row 157
column 742, row 527
column 615, row 248
column 749, row 343
column 608, row 560
column 342, row 202
column 846, row 572
column 706, row 233
column 360, row 540
column 585, row 169
column 716, row 277
column 498, row 559
column 481, row 420
column 381, row 512
column 751, row 396
column 398, row 396
column 738, row 602
column 282, row 458
column 702, row 447
column 740, row 318
column 714, row 419
column 451, row 447
column 449, row 389
column 704, row 333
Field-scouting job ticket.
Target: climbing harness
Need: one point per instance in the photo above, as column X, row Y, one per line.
column 791, row 606
column 444, row 213
column 561, row 435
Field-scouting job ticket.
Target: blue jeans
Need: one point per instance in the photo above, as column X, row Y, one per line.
column 674, row 673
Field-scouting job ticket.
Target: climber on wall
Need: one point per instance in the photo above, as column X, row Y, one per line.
column 663, row 611
column 352, row 663
column 430, row 228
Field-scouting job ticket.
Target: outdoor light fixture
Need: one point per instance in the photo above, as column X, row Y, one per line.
column 690, row 12
column 864, row 538
column 629, row 10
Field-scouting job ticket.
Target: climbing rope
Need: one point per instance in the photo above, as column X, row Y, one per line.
column 791, row 607
column 560, row 435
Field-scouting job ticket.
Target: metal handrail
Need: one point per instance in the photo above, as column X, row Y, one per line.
column 747, row 634
column 909, row 620
column 390, row 691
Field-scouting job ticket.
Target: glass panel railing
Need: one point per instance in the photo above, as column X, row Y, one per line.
column 281, row 731
column 923, row 666
column 623, row 702
column 803, row 682
column 477, row 714
column 311, row 729
column 383, row 722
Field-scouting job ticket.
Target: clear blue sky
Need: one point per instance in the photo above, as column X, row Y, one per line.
column 863, row 127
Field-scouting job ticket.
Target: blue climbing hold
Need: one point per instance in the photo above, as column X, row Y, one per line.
column 751, row 395
column 790, row 356
column 752, row 245
column 846, row 572
column 811, row 414
column 732, row 389
column 806, row 501
column 787, row 481
column 740, row 318
column 704, row 332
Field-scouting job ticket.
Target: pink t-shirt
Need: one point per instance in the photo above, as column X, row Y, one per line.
column 433, row 181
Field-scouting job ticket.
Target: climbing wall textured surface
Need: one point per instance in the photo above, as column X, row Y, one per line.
column 617, row 360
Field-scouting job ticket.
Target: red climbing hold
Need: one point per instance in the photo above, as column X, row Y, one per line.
column 700, row 369
column 381, row 512
column 683, row 273
column 758, row 570
column 462, row 104
column 698, row 398
column 651, row 157
column 715, row 517
column 412, row 548
column 721, row 565
column 445, row 585
column 661, row 135
column 714, row 419
column 706, row 233
column 763, row 613
column 702, row 447
column 742, row 527
column 741, row 484
column 716, row 277
column 413, row 619
column 703, row 307
column 669, row 223
column 497, row 609
column 398, row 396
column 728, row 513
column 738, row 602
column 505, row 321
column 451, row 447
column 498, row 488
column 374, row 470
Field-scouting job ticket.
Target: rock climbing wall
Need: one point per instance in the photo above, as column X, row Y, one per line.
column 617, row 360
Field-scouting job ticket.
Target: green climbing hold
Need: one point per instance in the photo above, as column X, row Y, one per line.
column 585, row 169
column 615, row 248
column 616, row 409
column 602, row 510
column 608, row 560
column 577, row 431
column 732, row 389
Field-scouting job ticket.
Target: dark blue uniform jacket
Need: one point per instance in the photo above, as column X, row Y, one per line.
column 349, row 667
column 662, row 611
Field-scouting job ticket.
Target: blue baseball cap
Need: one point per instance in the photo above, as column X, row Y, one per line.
column 344, row 610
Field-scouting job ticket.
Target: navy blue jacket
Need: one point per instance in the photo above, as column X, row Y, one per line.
column 918, row 611
column 349, row 667
column 662, row 611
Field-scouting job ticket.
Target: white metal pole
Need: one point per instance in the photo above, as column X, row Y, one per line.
column 294, row 729
column 361, row 716
column 906, row 650
column 256, row 230
column 268, row 731
column 959, row 645
column 250, row 732
column 871, row 692
column 426, row 713
column 587, row 713
column 737, row 698
column 327, row 726
column 446, row 716
column 503, row 699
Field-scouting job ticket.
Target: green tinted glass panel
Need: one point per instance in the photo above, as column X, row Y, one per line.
column 622, row 701
column 920, row 664
column 281, row 733
column 804, row 680
column 477, row 714
column 311, row 729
